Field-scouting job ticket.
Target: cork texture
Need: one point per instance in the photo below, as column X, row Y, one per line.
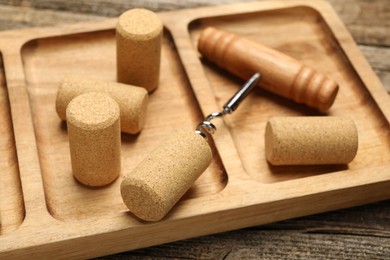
column 94, row 138
column 132, row 100
column 138, row 41
column 310, row 140
column 162, row 178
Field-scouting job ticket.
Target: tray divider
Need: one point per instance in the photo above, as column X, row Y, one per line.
column 206, row 98
column 25, row 141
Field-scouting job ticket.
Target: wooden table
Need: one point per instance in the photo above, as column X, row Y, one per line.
column 356, row 233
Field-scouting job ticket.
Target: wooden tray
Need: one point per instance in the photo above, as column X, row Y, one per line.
column 45, row 212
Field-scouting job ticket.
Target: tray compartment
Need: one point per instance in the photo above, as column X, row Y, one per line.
column 11, row 199
column 254, row 194
column 314, row 45
column 46, row 62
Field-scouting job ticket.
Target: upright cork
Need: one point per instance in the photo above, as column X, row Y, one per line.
column 138, row 45
column 132, row 100
column 281, row 74
column 162, row 178
column 310, row 140
column 94, row 138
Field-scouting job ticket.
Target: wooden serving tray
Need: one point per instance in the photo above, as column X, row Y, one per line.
column 45, row 212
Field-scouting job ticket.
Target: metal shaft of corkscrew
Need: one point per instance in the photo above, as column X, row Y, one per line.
column 229, row 106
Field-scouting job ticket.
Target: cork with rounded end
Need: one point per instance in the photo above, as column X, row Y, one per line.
column 138, row 41
column 310, row 140
column 132, row 100
column 162, row 178
column 94, row 138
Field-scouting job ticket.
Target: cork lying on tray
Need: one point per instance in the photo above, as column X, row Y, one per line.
column 310, row 140
column 132, row 100
column 162, row 178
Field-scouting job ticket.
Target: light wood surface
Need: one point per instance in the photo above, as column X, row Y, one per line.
column 67, row 216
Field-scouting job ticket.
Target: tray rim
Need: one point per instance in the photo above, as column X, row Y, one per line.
column 17, row 85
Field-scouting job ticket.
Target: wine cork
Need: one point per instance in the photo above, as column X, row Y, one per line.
column 310, row 140
column 94, row 138
column 281, row 74
column 162, row 178
column 132, row 100
column 138, row 45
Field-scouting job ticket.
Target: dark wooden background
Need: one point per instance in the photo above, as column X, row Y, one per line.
column 356, row 233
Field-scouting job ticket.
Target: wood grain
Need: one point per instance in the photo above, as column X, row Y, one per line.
column 368, row 21
column 361, row 232
column 345, row 234
column 116, row 7
column 378, row 57
column 23, row 17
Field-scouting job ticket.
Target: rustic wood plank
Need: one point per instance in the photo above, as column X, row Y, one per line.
column 356, row 233
column 116, row 7
column 23, row 17
column 379, row 58
column 368, row 21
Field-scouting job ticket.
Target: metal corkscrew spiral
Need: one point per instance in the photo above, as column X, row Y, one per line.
column 228, row 108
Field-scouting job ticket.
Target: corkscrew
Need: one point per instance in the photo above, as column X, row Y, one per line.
column 229, row 107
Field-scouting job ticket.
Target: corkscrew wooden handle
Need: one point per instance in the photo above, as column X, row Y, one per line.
column 282, row 74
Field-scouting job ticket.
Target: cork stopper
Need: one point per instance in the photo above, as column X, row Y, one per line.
column 310, row 140
column 94, row 138
column 162, row 178
column 132, row 100
column 139, row 38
